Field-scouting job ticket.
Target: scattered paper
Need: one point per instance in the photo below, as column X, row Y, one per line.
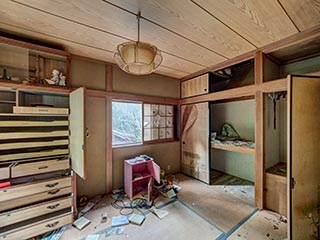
column 119, row 221
column 81, row 223
column 93, row 237
column 136, row 218
column 158, row 212
column 171, row 193
column 114, row 231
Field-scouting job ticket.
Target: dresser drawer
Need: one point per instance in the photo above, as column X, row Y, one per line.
column 9, row 204
column 31, row 168
column 38, row 228
column 33, row 211
column 27, row 189
column 4, row 171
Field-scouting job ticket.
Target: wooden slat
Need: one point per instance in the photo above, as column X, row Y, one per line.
column 20, row 145
column 9, row 157
column 33, row 211
column 9, row 204
column 23, row 135
column 13, row 123
column 233, row 148
column 38, row 167
column 261, row 22
column 304, row 13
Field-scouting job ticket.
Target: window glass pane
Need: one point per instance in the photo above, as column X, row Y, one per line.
column 126, row 123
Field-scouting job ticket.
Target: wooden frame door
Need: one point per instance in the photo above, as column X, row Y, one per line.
column 77, row 131
column 303, row 155
column 195, row 141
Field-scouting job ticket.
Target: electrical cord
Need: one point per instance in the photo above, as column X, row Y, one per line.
column 127, row 206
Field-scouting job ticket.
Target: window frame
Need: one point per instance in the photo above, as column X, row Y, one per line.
column 127, row 144
column 152, row 141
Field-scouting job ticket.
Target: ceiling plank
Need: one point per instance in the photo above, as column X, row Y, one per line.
column 182, row 17
column 304, row 13
column 82, row 50
column 28, row 18
column 96, row 14
column 259, row 21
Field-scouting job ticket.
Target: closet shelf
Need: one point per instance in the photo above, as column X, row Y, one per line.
column 233, row 148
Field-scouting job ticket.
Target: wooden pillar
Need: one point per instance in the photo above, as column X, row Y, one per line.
column 109, row 151
column 259, row 133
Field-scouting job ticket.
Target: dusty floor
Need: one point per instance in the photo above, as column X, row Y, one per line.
column 200, row 212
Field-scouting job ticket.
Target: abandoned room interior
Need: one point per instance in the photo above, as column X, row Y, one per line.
column 159, row 119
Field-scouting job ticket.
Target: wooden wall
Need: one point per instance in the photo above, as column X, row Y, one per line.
column 92, row 75
column 153, row 85
column 241, row 116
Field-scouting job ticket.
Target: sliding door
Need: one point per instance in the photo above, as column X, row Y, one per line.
column 195, row 141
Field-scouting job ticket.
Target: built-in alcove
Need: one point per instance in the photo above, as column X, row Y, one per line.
column 233, row 157
column 275, row 151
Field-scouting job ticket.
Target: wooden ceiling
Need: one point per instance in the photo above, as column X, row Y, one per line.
column 192, row 34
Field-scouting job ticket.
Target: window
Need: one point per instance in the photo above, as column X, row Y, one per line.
column 131, row 126
column 126, row 123
column 158, row 122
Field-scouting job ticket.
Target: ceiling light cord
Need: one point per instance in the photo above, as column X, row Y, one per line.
column 138, row 17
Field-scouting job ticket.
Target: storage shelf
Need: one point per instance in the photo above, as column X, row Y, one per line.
column 233, row 148
column 143, row 176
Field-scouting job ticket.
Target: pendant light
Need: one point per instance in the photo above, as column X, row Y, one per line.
column 138, row 58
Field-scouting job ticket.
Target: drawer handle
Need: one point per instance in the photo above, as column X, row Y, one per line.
column 54, row 192
column 43, row 167
column 51, row 225
column 42, row 110
column 53, row 206
column 51, row 185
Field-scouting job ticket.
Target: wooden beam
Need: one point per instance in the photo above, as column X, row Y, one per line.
column 258, row 68
column 109, row 151
column 132, row 97
column 259, row 166
column 48, row 89
column 274, row 86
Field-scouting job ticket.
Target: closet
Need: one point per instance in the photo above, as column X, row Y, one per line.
column 233, row 149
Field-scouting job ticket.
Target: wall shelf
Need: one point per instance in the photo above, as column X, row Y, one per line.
column 233, row 148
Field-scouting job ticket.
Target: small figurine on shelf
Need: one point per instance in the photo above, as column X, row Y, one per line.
column 56, row 78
